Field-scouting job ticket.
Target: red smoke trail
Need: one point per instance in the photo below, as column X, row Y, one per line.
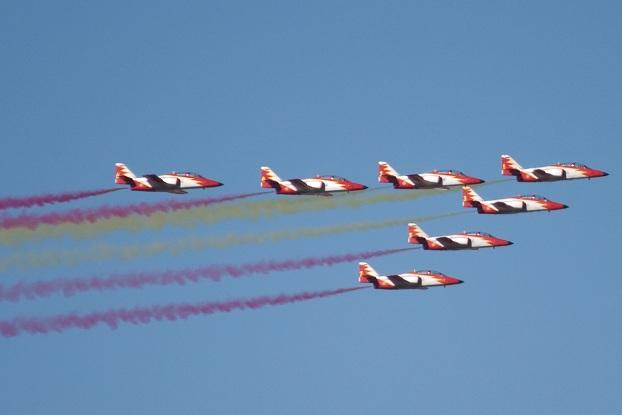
column 211, row 272
column 144, row 315
column 76, row 216
column 29, row 201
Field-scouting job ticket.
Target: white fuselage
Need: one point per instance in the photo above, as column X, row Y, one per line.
column 519, row 204
column 318, row 184
column 413, row 278
column 558, row 171
column 431, row 180
column 446, row 179
column 476, row 242
column 184, row 182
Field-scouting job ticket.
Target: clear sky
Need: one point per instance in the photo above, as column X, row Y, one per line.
column 324, row 87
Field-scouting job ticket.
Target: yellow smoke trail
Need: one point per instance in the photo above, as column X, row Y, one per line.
column 214, row 214
column 128, row 252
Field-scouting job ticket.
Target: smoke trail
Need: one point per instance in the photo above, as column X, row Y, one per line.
column 51, row 198
column 187, row 217
column 309, row 232
column 145, row 315
column 78, row 216
column 184, row 245
column 211, row 272
column 190, row 217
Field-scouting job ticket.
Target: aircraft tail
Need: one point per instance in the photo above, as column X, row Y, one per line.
column 366, row 271
column 509, row 166
column 469, row 197
column 123, row 175
column 416, row 235
column 386, row 173
column 269, row 179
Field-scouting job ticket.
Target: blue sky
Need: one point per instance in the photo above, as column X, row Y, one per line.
column 330, row 87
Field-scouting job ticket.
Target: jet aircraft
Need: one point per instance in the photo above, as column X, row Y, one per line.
column 409, row 280
column 516, row 204
column 171, row 183
column 464, row 240
column 432, row 180
column 318, row 185
column 550, row 173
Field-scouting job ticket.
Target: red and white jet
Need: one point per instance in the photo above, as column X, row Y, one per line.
column 516, row 204
column 432, row 180
column 465, row 240
column 318, row 185
column 171, row 183
column 420, row 280
column 550, row 173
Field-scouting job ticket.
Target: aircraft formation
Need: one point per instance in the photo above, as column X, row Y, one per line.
column 320, row 185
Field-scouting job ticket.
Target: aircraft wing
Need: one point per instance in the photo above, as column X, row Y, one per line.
column 302, row 187
column 544, row 176
column 155, row 179
column 400, row 282
column 158, row 184
column 449, row 243
column 423, row 183
column 504, row 207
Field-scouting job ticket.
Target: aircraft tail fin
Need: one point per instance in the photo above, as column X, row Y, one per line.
column 509, row 166
column 416, row 235
column 366, row 271
column 269, row 179
column 469, row 197
column 123, row 175
column 386, row 173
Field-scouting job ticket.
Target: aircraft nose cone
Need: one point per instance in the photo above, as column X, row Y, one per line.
column 563, row 206
column 475, row 180
column 605, row 173
column 357, row 186
column 211, row 183
column 509, row 243
column 452, row 281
